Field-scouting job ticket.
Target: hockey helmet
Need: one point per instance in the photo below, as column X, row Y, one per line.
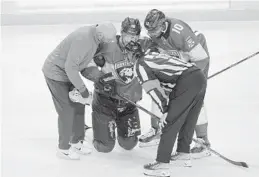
column 131, row 26
column 154, row 21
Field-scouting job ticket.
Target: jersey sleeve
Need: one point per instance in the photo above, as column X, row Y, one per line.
column 182, row 36
column 79, row 51
column 185, row 40
column 151, row 85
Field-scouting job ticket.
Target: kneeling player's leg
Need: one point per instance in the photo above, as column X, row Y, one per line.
column 103, row 132
column 128, row 128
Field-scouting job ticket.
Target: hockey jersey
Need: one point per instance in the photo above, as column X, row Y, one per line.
column 118, row 62
column 158, row 73
column 179, row 37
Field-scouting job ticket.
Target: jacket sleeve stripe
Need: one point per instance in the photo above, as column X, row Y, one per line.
column 142, row 74
column 156, row 99
column 165, row 66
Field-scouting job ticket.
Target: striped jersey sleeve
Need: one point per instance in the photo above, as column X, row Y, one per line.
column 157, row 74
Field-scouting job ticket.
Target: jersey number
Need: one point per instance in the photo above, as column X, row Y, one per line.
column 177, row 28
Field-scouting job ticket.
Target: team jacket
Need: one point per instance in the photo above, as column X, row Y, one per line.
column 179, row 36
column 158, row 73
column 117, row 63
column 73, row 55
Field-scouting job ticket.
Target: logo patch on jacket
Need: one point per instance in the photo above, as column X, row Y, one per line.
column 124, row 71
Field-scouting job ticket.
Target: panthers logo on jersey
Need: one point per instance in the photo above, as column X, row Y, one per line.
column 124, row 71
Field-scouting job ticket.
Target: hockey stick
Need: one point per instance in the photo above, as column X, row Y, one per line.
column 243, row 164
column 234, row 64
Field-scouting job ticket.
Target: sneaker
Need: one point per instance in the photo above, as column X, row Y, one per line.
column 199, row 151
column 68, row 154
column 151, row 138
column 157, row 169
column 81, row 148
column 184, row 159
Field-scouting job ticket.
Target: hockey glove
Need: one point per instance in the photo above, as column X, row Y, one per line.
column 106, row 85
column 99, row 60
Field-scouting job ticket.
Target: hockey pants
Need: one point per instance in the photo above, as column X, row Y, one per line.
column 109, row 114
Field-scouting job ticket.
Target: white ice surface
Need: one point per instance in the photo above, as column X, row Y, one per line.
column 29, row 124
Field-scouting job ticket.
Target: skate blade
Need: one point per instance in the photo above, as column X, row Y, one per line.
column 181, row 163
column 149, row 144
column 200, row 155
column 157, row 173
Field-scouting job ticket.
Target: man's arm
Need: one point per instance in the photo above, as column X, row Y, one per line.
column 77, row 53
column 151, row 85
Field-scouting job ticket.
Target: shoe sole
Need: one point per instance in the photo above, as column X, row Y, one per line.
column 83, row 153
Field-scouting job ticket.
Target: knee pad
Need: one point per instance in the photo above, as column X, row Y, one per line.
column 128, row 143
column 103, row 147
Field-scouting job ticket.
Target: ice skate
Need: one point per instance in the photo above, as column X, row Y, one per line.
column 151, row 138
column 198, row 151
column 181, row 159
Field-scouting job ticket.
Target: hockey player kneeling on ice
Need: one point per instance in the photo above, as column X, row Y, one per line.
column 178, row 89
column 110, row 111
